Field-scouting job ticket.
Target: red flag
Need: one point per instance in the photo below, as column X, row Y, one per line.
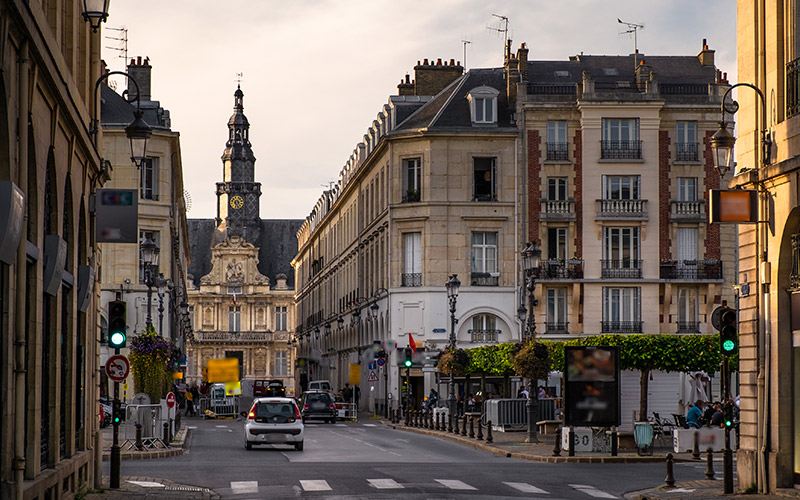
column 411, row 343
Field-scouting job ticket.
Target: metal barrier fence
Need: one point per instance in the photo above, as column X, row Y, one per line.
column 219, row 407
column 151, row 420
column 514, row 412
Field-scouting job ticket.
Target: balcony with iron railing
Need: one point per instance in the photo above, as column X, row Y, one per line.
column 793, row 88
column 557, row 151
column 688, row 327
column 484, row 336
column 686, row 151
column 683, row 88
column 557, row 210
column 691, row 270
column 625, row 268
column 794, row 274
column 233, row 336
column 620, row 150
column 569, row 89
column 622, row 326
column 484, row 279
column 412, row 279
column 687, row 211
column 560, row 269
column 621, row 209
column 556, row 327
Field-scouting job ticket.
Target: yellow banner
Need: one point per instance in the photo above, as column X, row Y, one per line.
column 233, row 388
column 222, row 370
column 355, row 374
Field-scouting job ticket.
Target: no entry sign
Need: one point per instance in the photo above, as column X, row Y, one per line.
column 170, row 400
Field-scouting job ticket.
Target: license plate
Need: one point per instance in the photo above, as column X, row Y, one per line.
column 273, row 438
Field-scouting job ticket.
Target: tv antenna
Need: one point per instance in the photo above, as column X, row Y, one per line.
column 632, row 28
column 465, row 42
column 503, row 28
column 121, row 48
column 329, row 185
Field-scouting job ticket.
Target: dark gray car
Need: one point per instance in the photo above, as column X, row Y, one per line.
column 320, row 405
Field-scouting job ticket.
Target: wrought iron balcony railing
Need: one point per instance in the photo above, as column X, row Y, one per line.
column 625, row 268
column 561, row 269
column 793, row 88
column 483, row 336
column 688, row 211
column 686, row 151
column 794, row 274
column 622, row 326
column 230, row 336
column 621, row 150
column 412, row 279
column 691, row 270
column 683, row 88
column 552, row 89
column 557, row 151
column 556, row 327
column 484, row 279
column 561, row 210
column 622, row 209
column 688, row 327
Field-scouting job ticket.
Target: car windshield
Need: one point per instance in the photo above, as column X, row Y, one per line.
column 269, row 410
column 318, row 398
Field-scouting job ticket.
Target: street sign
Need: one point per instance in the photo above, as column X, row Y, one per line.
column 170, row 400
column 439, row 330
column 373, row 377
column 117, row 368
column 381, row 361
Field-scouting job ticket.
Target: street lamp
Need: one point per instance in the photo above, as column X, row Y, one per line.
column 531, row 258
column 452, row 286
column 149, row 253
column 164, row 285
column 95, row 12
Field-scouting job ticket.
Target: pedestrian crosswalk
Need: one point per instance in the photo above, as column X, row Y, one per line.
column 250, row 487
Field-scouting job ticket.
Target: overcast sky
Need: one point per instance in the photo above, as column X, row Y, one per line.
column 316, row 72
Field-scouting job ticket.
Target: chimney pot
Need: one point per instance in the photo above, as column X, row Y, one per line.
column 439, row 62
column 452, row 62
column 138, row 60
column 425, row 61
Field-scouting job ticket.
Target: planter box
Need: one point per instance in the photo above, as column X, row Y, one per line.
column 709, row 437
column 585, row 440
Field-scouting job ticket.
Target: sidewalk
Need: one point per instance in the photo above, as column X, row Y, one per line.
column 128, row 452
column 144, row 488
column 702, row 490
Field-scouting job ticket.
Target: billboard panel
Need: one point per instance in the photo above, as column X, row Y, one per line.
column 591, row 386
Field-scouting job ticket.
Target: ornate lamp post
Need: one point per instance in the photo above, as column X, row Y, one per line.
column 531, row 258
column 164, row 285
column 452, row 286
column 149, row 253
column 95, row 12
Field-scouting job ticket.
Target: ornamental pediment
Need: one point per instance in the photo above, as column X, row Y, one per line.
column 234, row 261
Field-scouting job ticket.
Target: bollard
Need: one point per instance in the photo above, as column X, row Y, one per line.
column 166, row 434
column 436, row 421
column 449, row 422
column 489, row 432
column 614, row 441
column 472, row 427
column 709, row 464
column 416, row 419
column 464, row 426
column 177, row 422
column 670, row 479
column 480, row 431
column 455, row 425
column 406, row 419
column 695, row 446
column 139, row 445
column 557, row 443
column 571, row 441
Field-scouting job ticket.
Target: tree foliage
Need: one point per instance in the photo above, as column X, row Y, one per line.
column 533, row 361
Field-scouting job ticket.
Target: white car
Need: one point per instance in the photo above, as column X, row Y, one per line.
column 273, row 421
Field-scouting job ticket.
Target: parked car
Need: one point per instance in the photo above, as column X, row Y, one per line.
column 273, row 421
column 319, row 405
column 319, row 385
column 266, row 388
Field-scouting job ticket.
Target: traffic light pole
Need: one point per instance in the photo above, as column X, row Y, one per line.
column 727, row 453
column 115, row 452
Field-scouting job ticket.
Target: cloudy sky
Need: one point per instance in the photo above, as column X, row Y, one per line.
column 316, row 72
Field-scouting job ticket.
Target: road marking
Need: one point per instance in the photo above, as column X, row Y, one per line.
column 238, row 487
column 385, row 484
column 340, row 425
column 369, row 425
column 455, row 484
column 147, row 484
column 527, row 488
column 191, row 427
column 221, row 426
column 592, row 491
column 314, row 485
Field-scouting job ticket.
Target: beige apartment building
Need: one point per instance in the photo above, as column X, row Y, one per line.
column 162, row 219
column 768, row 60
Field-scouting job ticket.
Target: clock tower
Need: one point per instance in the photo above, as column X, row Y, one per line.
column 238, row 195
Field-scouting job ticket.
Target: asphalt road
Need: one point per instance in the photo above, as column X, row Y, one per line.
column 365, row 460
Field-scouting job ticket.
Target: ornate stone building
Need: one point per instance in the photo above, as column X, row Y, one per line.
column 241, row 299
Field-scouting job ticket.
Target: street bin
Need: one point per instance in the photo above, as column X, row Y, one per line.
column 643, row 436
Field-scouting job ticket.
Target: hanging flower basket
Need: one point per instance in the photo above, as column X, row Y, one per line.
column 454, row 361
column 533, row 361
column 150, row 361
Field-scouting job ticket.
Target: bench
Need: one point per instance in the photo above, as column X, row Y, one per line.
column 548, row 426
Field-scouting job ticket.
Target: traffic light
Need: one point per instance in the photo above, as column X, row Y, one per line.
column 408, row 361
column 727, row 413
column 728, row 335
column 117, row 324
column 116, row 412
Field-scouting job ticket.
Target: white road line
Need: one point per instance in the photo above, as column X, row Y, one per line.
column 191, row 427
column 315, row 485
column 455, row 484
column 221, row 426
column 238, row 487
column 592, row 491
column 369, row 425
column 385, row 484
column 147, row 484
column 527, row 488
column 340, row 425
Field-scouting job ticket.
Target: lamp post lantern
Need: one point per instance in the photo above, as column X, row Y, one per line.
column 452, row 286
column 149, row 253
column 95, row 12
column 164, row 285
column 531, row 258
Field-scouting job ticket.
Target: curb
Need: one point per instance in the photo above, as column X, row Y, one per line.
column 169, row 486
column 176, row 448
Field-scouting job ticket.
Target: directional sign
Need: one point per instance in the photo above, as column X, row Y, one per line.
column 373, row 377
column 117, row 368
column 170, row 400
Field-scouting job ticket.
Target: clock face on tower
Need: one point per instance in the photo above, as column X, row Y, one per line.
column 237, row 202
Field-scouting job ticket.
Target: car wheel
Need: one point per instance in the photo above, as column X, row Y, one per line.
column 298, row 446
column 248, row 445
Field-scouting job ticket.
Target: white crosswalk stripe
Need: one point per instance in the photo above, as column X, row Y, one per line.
column 592, row 491
column 385, row 484
column 315, row 485
column 369, row 425
column 455, row 484
column 238, row 487
column 527, row 488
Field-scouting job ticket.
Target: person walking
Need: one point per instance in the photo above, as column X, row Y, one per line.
column 189, row 403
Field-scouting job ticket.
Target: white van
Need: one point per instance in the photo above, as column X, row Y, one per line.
column 319, row 385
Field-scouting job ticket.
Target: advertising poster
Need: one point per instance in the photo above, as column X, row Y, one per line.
column 591, row 386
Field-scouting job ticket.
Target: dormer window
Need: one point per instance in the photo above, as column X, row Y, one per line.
column 483, row 105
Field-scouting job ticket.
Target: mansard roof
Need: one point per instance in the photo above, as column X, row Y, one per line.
column 115, row 110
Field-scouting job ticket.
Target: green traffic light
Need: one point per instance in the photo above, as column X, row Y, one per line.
column 728, row 423
column 117, row 339
column 408, row 363
column 728, row 345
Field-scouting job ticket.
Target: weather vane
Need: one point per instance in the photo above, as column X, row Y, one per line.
column 239, row 77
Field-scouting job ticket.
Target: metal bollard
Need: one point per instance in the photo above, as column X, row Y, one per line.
column 480, row 431
column 407, row 419
column 436, row 421
column 449, row 422
column 464, row 426
column 557, row 443
column 455, row 424
column 489, row 432
column 139, row 445
column 472, row 427
column 177, row 422
column 166, row 434
column 695, row 446
column 709, row 464
column 670, row 479
column 614, row 441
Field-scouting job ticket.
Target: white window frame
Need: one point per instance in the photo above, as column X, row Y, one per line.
column 688, row 304
column 621, row 187
column 280, row 363
column 483, row 105
column 281, row 317
column 557, row 243
column 412, row 174
column 557, row 131
column 622, row 244
column 412, row 253
column 234, row 318
column 484, row 252
column 686, row 243
column 622, row 304
column 686, row 132
column 557, row 188
column 620, row 129
column 687, row 188
column 484, row 322
column 148, row 181
column 556, row 305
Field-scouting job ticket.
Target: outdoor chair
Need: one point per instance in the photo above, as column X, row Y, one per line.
column 680, row 421
column 662, row 429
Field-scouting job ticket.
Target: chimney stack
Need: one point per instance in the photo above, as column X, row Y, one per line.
column 706, row 56
column 139, row 70
column 431, row 78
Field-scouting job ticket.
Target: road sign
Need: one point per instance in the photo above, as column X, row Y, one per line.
column 439, row 330
column 170, row 400
column 373, row 377
column 381, row 361
column 117, row 368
